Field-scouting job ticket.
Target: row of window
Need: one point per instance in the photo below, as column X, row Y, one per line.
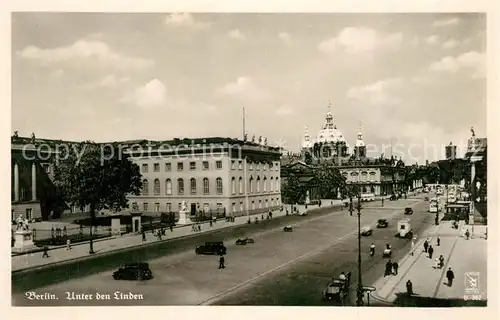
column 180, row 166
column 180, row 186
column 256, row 186
column 206, row 166
column 355, row 177
column 206, row 206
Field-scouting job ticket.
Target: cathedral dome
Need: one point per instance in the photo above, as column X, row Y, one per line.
column 329, row 132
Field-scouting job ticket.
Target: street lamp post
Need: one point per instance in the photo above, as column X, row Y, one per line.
column 359, row 291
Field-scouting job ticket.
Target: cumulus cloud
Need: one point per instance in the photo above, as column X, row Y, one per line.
column 378, row 93
column 285, row 36
column 446, row 22
column 112, row 80
column 283, row 111
column 360, row 40
column 243, row 87
column 452, row 43
column 432, row 40
column 151, row 94
column 184, row 20
column 472, row 60
column 236, row 34
column 95, row 51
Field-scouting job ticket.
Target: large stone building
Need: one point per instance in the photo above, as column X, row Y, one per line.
column 212, row 175
column 372, row 176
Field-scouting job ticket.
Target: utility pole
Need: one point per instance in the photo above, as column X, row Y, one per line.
column 359, row 291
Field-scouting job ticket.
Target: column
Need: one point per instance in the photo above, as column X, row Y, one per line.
column 16, row 182
column 33, row 181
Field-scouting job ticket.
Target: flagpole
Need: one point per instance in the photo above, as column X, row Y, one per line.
column 244, row 129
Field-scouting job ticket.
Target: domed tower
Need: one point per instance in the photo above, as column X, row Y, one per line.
column 330, row 135
column 306, row 143
column 360, row 147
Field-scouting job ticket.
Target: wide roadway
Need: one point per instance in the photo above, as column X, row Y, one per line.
column 279, row 269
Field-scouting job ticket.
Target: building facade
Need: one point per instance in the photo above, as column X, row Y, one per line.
column 236, row 178
column 451, row 152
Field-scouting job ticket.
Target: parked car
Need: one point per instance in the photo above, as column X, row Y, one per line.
column 244, row 241
column 366, row 231
column 408, row 210
column 133, row 271
column 337, row 289
column 382, row 223
column 287, row 229
column 211, row 248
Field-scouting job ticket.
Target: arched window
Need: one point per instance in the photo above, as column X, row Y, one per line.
column 193, row 185
column 233, row 185
column 145, row 187
column 258, row 184
column 206, row 186
column 265, row 184
column 168, row 187
column 218, row 183
column 180, row 186
column 277, row 183
column 250, row 185
column 271, row 184
column 240, row 183
column 157, row 187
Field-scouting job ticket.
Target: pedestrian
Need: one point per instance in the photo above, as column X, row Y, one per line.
column 143, row 233
column 441, row 261
column 199, row 227
column 409, row 287
column 171, row 227
column 395, row 268
column 270, row 214
column 438, row 241
column 68, row 244
column 221, row 262
column 211, row 224
column 388, row 268
column 450, row 275
column 45, row 252
column 426, row 245
column 413, row 245
column 467, row 234
column 158, row 234
column 431, row 251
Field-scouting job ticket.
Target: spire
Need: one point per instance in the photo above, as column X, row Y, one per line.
column 329, row 121
column 359, row 141
column 306, row 133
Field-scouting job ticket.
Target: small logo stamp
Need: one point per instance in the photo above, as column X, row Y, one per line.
column 472, row 286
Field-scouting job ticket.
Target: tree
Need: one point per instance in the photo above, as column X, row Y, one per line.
column 330, row 179
column 292, row 190
column 89, row 174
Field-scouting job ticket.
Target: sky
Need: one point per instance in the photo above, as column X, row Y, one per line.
column 413, row 81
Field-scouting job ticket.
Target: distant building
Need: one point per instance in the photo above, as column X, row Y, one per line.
column 451, row 152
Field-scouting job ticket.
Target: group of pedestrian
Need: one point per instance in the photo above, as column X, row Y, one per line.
column 428, row 248
column 391, row 268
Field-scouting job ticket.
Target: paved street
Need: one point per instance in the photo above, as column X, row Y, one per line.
column 279, row 269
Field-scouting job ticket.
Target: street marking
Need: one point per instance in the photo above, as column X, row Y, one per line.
column 223, row 293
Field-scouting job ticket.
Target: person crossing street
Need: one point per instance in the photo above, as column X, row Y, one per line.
column 450, row 275
column 426, row 245
column 221, row 262
column 430, row 251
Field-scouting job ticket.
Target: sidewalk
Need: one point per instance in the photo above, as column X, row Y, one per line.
column 429, row 282
column 31, row 260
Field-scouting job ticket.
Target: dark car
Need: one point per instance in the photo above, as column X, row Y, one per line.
column 382, row 223
column 211, row 248
column 393, row 197
column 133, row 271
column 287, row 229
column 408, row 211
column 244, row 241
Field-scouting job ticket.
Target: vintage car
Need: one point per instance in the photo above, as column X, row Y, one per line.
column 366, row 231
column 217, row 248
column 337, row 289
column 287, row 229
column 393, row 197
column 133, row 271
column 244, row 241
column 303, row 213
column 387, row 253
column 382, row 223
column 408, row 210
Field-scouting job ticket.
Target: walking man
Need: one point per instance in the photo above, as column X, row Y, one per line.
column 467, row 234
column 409, row 287
column 211, row 223
column 221, row 262
column 143, row 233
column 441, row 261
column 450, row 275
column 426, row 245
column 388, row 268
column 413, row 241
column 45, row 252
column 68, row 244
column 395, row 268
column 431, row 251
column 438, row 241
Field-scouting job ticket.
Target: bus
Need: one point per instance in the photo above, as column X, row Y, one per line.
column 434, row 205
